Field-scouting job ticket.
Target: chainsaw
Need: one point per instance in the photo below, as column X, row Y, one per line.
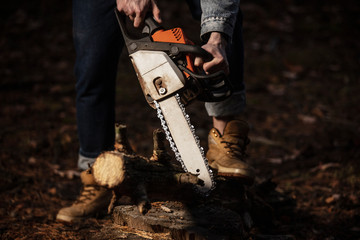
column 164, row 64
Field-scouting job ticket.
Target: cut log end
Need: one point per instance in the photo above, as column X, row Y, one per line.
column 109, row 169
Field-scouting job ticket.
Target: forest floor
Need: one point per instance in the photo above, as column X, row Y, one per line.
column 302, row 61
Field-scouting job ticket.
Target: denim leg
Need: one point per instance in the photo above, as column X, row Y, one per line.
column 98, row 43
column 235, row 104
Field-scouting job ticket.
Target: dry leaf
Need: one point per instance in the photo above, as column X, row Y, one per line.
column 166, row 209
column 276, row 90
column 289, row 75
column 323, row 167
column 295, row 68
column 52, row 190
column 307, row 119
column 333, row 198
column 70, row 174
column 32, row 160
column 275, row 160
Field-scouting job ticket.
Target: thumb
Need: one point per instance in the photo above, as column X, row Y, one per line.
column 198, row 62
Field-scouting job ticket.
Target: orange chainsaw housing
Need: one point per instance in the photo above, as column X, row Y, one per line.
column 175, row 35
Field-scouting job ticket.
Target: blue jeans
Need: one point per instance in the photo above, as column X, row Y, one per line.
column 98, row 44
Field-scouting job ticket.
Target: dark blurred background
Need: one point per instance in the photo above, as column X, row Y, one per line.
column 302, row 63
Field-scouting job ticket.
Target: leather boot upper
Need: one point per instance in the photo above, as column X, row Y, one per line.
column 226, row 152
column 92, row 199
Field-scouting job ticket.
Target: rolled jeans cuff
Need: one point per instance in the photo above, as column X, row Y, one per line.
column 232, row 106
column 85, row 162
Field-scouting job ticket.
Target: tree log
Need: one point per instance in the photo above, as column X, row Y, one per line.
column 129, row 174
column 228, row 213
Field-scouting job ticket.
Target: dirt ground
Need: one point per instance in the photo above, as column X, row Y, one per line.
column 302, row 62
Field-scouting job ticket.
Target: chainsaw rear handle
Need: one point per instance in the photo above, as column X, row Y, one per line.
column 215, row 87
column 146, row 43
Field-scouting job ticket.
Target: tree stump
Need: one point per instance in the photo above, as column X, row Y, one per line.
column 182, row 221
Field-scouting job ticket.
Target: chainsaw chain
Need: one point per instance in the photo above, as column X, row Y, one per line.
column 173, row 145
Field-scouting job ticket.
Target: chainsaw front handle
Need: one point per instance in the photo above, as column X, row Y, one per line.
column 145, row 42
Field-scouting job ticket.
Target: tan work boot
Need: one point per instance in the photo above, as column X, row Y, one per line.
column 226, row 152
column 92, row 199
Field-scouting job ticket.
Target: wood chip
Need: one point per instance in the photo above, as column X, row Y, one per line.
column 166, row 209
column 333, row 198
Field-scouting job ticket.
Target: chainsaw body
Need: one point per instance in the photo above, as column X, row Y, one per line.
column 163, row 61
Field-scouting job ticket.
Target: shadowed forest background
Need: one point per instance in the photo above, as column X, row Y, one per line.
column 302, row 62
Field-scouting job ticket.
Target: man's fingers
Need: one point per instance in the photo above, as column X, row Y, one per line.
column 131, row 18
column 137, row 20
column 140, row 13
column 198, row 62
column 136, row 10
column 219, row 61
column 156, row 12
column 216, row 65
column 210, row 67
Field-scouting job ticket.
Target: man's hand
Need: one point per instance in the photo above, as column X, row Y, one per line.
column 136, row 10
column 216, row 47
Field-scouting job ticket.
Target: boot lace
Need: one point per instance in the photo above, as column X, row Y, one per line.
column 237, row 148
column 87, row 193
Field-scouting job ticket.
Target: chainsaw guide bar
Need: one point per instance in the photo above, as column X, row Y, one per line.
column 184, row 142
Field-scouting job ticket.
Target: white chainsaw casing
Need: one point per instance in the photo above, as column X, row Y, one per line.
column 161, row 80
column 153, row 67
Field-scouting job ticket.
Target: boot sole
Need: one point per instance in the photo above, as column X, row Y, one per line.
column 68, row 219
column 248, row 179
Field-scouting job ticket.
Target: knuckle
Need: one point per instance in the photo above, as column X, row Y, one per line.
column 121, row 8
column 137, row 11
column 218, row 61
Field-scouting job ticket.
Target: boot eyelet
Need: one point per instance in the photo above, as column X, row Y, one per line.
column 215, row 135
